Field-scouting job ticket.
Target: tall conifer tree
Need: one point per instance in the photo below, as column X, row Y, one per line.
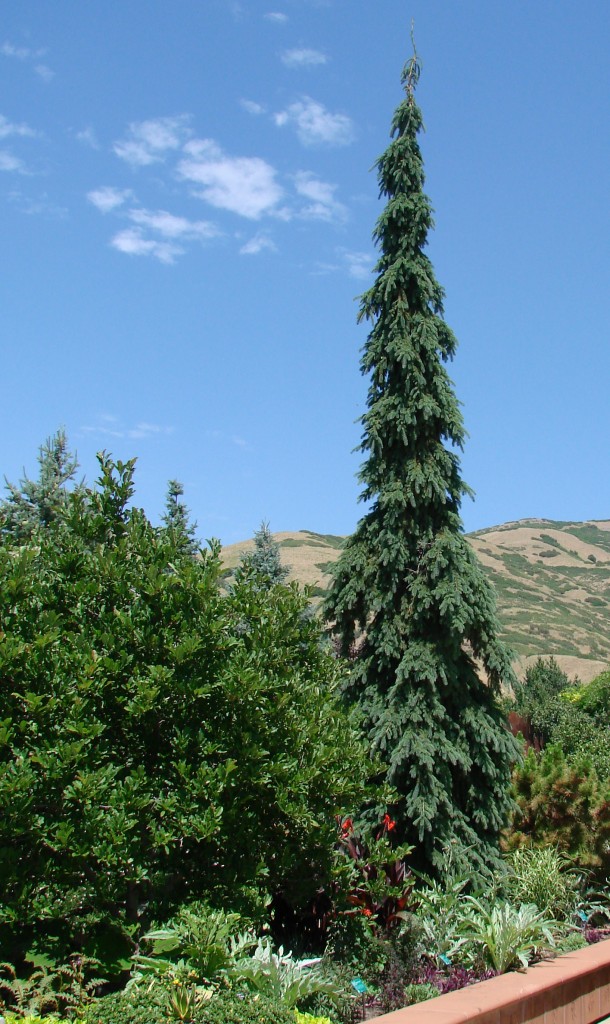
column 408, row 594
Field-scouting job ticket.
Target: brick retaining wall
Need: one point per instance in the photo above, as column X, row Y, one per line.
column 572, row 989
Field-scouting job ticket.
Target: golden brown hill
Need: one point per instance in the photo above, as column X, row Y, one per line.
column 552, row 581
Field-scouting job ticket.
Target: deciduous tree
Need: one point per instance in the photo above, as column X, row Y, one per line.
column 161, row 739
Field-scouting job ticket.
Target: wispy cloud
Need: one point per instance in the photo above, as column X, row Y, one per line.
column 108, row 198
column 44, row 72
column 18, row 52
column 259, row 243
column 315, row 125
column 234, row 439
column 148, row 142
column 156, row 233
column 244, row 185
column 25, row 53
column 12, row 130
column 112, row 426
column 40, row 205
column 133, row 242
column 358, row 264
column 10, row 162
column 9, row 128
column 303, row 58
column 170, row 226
column 252, row 107
column 321, row 204
column 88, row 137
column 276, row 16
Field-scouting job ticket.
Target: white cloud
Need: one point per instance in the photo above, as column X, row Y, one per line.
column 19, row 52
column 8, row 162
column 44, row 72
column 277, row 17
column 147, row 142
column 258, row 244
column 359, row 264
column 108, row 198
column 322, row 204
column 40, row 205
column 147, row 430
column 111, row 426
column 88, row 137
column 170, row 226
column 25, row 53
column 235, row 439
column 252, row 107
column 8, row 128
column 315, row 124
column 244, row 185
column 132, row 242
column 303, row 58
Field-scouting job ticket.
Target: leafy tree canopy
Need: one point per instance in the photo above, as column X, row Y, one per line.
column 160, row 739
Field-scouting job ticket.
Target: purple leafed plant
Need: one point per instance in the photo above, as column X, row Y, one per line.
column 453, row 978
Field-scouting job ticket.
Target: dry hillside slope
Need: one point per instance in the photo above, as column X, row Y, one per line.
column 552, row 581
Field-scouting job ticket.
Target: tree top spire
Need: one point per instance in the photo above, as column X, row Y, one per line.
column 412, row 69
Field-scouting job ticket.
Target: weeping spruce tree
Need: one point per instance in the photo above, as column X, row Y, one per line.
column 409, row 600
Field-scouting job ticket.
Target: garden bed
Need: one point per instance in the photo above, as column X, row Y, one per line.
column 574, row 987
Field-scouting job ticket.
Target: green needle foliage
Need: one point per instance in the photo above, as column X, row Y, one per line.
column 177, row 520
column 38, row 502
column 408, row 595
column 266, row 559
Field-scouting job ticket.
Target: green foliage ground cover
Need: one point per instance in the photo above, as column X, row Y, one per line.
column 200, row 968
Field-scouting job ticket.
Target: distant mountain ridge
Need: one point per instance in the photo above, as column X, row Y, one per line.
column 552, row 581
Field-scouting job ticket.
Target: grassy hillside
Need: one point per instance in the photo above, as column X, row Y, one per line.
column 552, row 582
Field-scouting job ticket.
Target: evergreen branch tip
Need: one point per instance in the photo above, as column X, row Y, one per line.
column 412, row 69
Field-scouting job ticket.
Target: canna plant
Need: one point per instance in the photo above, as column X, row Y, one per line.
column 379, row 884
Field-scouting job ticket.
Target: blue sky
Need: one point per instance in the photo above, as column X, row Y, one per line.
column 187, row 202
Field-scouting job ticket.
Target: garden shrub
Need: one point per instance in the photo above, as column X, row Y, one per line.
column 138, row 1006
column 340, row 1010
column 536, row 696
column 562, row 805
column 543, row 876
column 161, row 739
column 233, row 1008
column 352, row 942
column 152, row 1007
